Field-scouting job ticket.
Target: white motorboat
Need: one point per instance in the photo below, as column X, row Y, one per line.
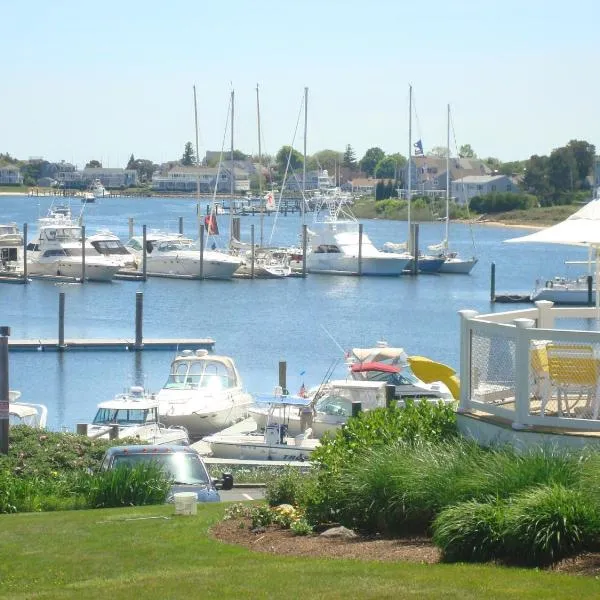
column 134, row 414
column 58, row 250
column 204, row 393
column 97, row 189
column 272, row 443
column 336, row 245
column 331, row 404
column 393, row 366
column 108, row 244
column 269, row 263
column 11, row 247
column 88, row 197
column 174, row 254
column 25, row 413
column 562, row 290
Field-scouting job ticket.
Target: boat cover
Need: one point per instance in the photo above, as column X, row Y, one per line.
column 374, row 366
column 282, row 400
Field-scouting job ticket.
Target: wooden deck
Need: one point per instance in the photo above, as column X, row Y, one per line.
column 110, row 344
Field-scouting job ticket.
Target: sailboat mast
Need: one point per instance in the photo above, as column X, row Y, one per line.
column 260, row 190
column 197, row 157
column 304, row 162
column 409, row 175
column 232, row 187
column 447, row 178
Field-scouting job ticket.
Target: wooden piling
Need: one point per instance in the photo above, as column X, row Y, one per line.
column 493, row 282
column 130, row 227
column 283, row 376
column 61, row 321
column 139, row 315
column 180, row 225
column 201, row 242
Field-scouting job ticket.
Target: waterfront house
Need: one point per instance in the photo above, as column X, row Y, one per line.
column 111, row 178
column 185, row 179
column 10, row 175
column 465, row 188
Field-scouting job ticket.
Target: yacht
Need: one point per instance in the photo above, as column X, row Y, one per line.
column 134, row 414
column 97, row 189
column 174, row 254
column 11, row 247
column 58, row 250
column 203, row 393
column 335, row 245
column 108, row 244
column 269, row 263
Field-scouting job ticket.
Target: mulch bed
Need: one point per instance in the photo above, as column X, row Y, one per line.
column 279, row 541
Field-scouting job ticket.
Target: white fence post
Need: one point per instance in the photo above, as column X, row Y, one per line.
column 465, row 359
column 545, row 318
column 522, row 343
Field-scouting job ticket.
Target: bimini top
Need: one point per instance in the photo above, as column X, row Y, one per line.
column 286, row 400
column 374, row 366
column 380, row 353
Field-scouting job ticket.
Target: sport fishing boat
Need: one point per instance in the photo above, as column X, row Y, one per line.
column 174, row 254
column 203, row 393
column 134, row 414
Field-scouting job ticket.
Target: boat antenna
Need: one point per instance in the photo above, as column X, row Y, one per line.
column 333, row 339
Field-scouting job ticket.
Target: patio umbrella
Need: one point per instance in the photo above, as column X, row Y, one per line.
column 582, row 228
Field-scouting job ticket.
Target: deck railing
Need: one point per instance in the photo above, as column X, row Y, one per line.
column 518, row 366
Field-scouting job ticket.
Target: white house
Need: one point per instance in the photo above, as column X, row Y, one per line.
column 10, row 175
column 465, row 188
column 114, row 178
column 185, row 179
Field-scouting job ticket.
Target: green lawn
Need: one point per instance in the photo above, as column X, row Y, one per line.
column 151, row 553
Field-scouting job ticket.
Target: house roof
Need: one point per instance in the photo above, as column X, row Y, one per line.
column 479, row 178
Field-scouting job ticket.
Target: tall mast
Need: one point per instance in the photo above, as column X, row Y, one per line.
column 260, row 190
column 304, row 163
column 409, row 176
column 447, row 178
column 197, row 157
column 232, row 187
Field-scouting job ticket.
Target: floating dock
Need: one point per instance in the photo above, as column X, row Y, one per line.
column 512, row 297
column 69, row 344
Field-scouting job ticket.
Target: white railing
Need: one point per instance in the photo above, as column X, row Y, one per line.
column 498, row 372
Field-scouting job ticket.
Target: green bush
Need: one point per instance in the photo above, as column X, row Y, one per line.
column 287, row 487
column 502, row 201
column 546, row 524
column 128, row 486
column 470, row 531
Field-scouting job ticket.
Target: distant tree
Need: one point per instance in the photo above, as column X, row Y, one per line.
column 349, row 159
column 189, row 157
column 370, row 160
column 237, row 155
column 145, row 169
column 328, row 160
column 584, row 155
column 7, row 159
column 493, row 163
column 535, row 179
column 465, row 151
column 387, row 168
column 562, row 170
column 515, row 167
column 295, row 158
column 131, row 163
column 438, row 152
column 94, row 164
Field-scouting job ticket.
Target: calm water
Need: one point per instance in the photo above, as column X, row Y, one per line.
column 305, row 322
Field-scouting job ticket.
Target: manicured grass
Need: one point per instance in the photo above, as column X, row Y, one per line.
column 151, row 553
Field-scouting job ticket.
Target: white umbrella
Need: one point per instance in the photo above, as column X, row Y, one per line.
column 582, row 228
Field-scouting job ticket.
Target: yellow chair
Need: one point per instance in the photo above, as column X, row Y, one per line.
column 541, row 374
column 573, row 368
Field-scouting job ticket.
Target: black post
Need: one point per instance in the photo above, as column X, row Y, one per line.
column 130, row 227
column 415, row 248
column 390, row 395
column 61, row 321
column 25, row 251
column 144, row 266
column 4, row 389
column 83, row 254
column 283, row 376
column 356, row 408
column 590, row 283
column 180, row 225
column 139, row 316
column 493, row 283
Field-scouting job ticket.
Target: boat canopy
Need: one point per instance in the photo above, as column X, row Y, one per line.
column 375, row 366
column 282, row 400
column 379, row 354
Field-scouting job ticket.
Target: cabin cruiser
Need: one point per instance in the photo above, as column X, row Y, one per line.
column 58, row 250
column 269, row 263
column 134, row 414
column 25, row 413
column 203, row 393
column 330, row 404
column 11, row 247
column 174, row 254
column 274, row 442
column 108, row 244
column 97, row 189
column 336, row 246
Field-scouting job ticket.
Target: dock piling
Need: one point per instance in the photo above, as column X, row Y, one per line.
column 201, row 243
column 83, row 254
column 590, row 283
column 4, row 389
column 130, row 227
column 61, row 321
column 493, row 283
column 139, row 315
column 180, row 225
column 283, row 376
column 390, row 395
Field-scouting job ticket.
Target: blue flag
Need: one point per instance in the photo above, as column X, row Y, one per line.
column 418, row 148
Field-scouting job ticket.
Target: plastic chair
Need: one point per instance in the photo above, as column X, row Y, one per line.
column 573, row 368
column 541, row 374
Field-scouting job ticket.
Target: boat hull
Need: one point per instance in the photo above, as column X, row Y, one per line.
column 177, row 265
column 458, row 266
column 390, row 266
column 254, row 447
column 576, row 297
column 427, row 265
column 93, row 272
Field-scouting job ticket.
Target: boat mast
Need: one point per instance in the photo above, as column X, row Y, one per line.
column 447, row 179
column 260, row 190
column 197, row 158
column 232, row 187
column 409, row 176
column 304, row 163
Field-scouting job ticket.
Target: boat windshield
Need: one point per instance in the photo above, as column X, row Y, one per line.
column 334, row 405
column 110, row 247
column 125, row 416
column 207, row 375
column 182, row 467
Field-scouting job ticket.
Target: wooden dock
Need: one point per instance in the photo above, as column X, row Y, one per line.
column 48, row 344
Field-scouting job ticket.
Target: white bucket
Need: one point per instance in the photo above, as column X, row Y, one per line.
column 185, row 503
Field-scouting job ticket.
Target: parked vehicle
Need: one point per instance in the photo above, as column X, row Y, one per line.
column 183, row 464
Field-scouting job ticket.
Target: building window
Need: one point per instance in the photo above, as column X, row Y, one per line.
column 493, row 188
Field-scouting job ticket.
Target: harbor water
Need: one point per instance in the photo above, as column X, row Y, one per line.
column 308, row 323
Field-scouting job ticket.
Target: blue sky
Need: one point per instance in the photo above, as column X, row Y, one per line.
column 103, row 80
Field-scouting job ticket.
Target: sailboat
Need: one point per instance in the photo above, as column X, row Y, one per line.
column 453, row 263
column 425, row 263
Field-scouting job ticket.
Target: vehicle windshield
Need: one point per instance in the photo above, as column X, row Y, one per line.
column 183, row 467
column 206, row 374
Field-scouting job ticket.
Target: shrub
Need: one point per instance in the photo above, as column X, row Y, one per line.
column 128, row 486
column 301, row 527
column 288, row 487
column 470, row 531
column 548, row 523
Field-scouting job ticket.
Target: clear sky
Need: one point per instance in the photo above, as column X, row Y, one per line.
column 102, row 80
